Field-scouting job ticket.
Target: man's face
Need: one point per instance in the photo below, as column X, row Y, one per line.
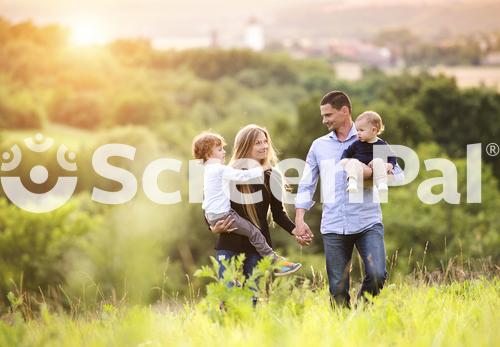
column 332, row 117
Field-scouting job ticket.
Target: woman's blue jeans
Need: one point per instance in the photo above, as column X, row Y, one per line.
column 338, row 253
column 251, row 260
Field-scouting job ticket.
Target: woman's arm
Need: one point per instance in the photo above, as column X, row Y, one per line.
column 277, row 209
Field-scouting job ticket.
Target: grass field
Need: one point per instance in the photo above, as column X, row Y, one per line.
column 405, row 314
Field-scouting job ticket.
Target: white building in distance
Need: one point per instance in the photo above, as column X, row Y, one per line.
column 254, row 35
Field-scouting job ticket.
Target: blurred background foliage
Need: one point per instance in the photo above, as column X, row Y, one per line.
column 127, row 92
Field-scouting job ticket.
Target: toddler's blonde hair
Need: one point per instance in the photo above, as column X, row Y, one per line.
column 374, row 119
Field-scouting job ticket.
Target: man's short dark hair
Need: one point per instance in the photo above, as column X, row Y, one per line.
column 337, row 99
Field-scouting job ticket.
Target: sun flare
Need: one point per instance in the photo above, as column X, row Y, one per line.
column 87, row 32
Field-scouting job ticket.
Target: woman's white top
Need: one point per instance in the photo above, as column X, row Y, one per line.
column 216, row 185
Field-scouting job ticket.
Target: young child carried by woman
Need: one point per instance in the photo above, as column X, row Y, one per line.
column 209, row 147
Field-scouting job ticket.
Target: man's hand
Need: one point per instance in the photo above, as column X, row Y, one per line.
column 223, row 226
column 302, row 239
column 302, row 232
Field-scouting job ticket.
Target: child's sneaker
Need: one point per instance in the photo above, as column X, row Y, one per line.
column 352, row 186
column 286, row 268
column 382, row 187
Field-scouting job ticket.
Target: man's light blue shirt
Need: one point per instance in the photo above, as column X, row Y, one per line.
column 340, row 216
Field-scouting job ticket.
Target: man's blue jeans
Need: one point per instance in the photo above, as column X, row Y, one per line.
column 338, row 252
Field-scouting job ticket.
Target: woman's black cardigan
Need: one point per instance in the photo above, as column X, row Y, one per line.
column 241, row 244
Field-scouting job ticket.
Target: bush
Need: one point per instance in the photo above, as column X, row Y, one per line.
column 33, row 246
column 19, row 111
column 137, row 109
column 82, row 110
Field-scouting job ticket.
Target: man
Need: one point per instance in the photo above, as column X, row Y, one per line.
column 344, row 224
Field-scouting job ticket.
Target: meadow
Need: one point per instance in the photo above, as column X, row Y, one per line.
column 410, row 311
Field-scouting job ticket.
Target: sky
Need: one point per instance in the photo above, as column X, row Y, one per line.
column 144, row 18
column 158, row 17
column 105, row 20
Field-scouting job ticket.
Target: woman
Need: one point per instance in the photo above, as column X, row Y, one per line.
column 252, row 142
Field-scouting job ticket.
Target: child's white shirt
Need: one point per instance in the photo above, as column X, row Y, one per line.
column 216, row 185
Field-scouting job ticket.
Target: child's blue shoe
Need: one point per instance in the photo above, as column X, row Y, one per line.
column 286, row 268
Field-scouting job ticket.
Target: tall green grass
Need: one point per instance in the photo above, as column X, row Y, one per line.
column 290, row 312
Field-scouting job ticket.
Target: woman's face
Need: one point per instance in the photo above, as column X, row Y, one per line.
column 260, row 148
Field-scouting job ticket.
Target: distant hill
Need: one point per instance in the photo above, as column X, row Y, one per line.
column 425, row 19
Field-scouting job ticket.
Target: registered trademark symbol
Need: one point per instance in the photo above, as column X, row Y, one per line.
column 492, row 149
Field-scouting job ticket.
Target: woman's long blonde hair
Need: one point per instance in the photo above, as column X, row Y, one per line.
column 243, row 144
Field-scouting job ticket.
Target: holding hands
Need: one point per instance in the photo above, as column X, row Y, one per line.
column 303, row 235
column 302, row 232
